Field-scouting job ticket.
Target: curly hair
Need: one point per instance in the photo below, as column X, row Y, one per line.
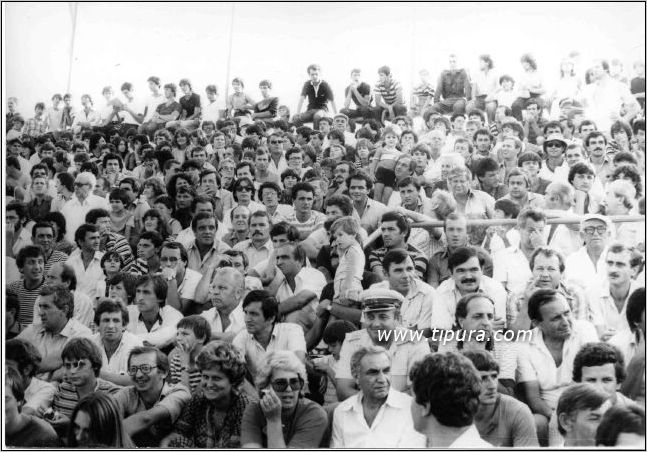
column 224, row 357
column 450, row 384
column 630, row 172
column 279, row 360
column 596, row 354
column 83, row 348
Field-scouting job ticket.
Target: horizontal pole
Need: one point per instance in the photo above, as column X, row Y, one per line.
column 513, row 222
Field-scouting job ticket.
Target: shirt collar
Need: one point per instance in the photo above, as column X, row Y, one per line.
column 159, row 318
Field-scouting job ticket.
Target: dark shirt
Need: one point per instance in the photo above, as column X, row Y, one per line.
column 37, row 209
column 318, row 101
column 272, row 106
column 453, row 84
column 164, row 109
column 364, row 89
column 189, row 105
column 36, row 433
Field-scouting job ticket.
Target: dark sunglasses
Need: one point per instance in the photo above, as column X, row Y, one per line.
column 554, row 144
column 281, row 384
column 244, row 188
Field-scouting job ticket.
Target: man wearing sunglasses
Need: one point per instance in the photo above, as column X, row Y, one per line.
column 81, row 203
column 554, row 149
column 150, row 406
column 371, row 369
column 586, row 267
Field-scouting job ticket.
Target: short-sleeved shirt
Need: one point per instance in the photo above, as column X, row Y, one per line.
column 307, row 279
column 439, row 264
column 167, row 109
column 388, row 90
column 255, row 255
column 319, row 96
column 511, row 424
column 189, row 105
column 316, row 220
column 172, row 397
column 416, row 310
column 285, row 336
column 304, row 431
column 420, row 262
column 163, row 331
column 403, row 354
column 372, row 215
column 39, row 394
column 189, row 284
column 363, row 88
column 26, row 299
column 236, row 320
column 196, row 262
column 67, row 397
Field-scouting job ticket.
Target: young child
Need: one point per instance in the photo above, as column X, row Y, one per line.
column 383, row 165
column 164, row 205
column 193, row 332
column 348, row 277
column 362, row 160
column 333, row 337
column 498, row 238
column 122, row 221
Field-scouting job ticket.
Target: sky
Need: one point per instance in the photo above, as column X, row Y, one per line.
column 119, row 42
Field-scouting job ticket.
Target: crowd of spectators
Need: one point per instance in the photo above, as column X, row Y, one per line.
column 463, row 269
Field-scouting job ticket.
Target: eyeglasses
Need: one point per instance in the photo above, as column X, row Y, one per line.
column 80, row 364
column 275, row 142
column 554, row 144
column 592, row 229
column 168, row 259
column 244, row 188
column 281, row 384
column 144, row 368
column 80, row 184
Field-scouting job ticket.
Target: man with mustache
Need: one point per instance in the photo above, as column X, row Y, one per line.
column 467, row 277
column 378, row 416
column 258, row 246
column 150, row 406
column 547, row 266
column 609, row 303
column 343, row 170
column 501, row 419
column 596, row 145
column 546, row 361
column 381, row 316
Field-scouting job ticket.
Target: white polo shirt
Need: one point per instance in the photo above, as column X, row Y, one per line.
column 285, row 336
column 236, row 319
column 511, row 268
column 87, row 278
column 118, row 362
column 307, row 279
column 391, row 428
column 537, row 364
column 162, row 333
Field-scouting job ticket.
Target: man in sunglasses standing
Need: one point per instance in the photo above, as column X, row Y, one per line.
column 151, row 406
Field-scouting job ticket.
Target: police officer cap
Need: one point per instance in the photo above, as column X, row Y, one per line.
column 380, row 299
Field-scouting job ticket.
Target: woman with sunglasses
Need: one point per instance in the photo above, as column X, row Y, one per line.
column 212, row 418
column 282, row 417
column 97, row 422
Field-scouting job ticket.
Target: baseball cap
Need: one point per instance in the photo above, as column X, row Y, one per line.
column 596, row 216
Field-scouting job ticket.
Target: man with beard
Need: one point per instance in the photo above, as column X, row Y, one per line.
column 501, row 419
column 547, row 266
column 114, row 342
column 455, row 228
column 467, row 277
column 150, row 406
column 377, row 416
column 226, row 317
column 381, row 320
column 547, row 359
column 342, row 171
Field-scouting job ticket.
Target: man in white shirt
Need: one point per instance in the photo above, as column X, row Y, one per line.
column 299, row 290
column 259, row 246
column 546, row 361
column 86, row 260
column 81, row 203
column 263, row 333
column 131, row 111
column 225, row 294
column 154, row 100
column 446, row 388
column 151, row 319
column 377, row 416
column 586, row 267
column 211, row 109
column 182, row 281
column 467, row 277
column 115, row 343
column 511, row 266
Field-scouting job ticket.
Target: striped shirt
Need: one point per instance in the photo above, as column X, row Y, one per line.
column 56, row 256
column 315, row 221
column 195, row 375
column 66, row 398
column 26, row 298
column 119, row 244
column 419, row 260
column 388, row 90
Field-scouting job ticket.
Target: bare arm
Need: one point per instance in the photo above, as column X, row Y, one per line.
column 536, row 404
column 296, row 302
column 144, row 419
column 300, row 104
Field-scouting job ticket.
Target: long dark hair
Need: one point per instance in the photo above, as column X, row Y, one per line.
column 106, row 422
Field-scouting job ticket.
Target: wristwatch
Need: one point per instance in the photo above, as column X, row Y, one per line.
column 169, row 278
column 329, row 308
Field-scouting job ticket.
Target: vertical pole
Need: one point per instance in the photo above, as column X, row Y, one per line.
column 74, row 7
column 231, row 42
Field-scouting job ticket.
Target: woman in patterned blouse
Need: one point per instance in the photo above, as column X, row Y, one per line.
column 213, row 416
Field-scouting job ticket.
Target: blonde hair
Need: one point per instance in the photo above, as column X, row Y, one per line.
column 349, row 225
column 279, row 360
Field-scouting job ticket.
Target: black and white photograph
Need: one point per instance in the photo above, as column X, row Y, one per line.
column 324, row 225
